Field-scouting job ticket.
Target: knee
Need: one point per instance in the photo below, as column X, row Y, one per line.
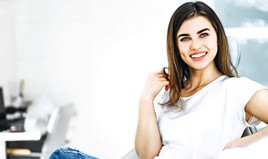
column 63, row 153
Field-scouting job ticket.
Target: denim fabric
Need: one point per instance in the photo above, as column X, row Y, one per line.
column 66, row 153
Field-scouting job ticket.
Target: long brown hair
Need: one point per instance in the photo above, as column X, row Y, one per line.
column 177, row 68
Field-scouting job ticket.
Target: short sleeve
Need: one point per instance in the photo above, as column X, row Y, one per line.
column 253, row 121
column 243, row 90
column 159, row 99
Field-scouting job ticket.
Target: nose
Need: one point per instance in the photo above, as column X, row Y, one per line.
column 196, row 45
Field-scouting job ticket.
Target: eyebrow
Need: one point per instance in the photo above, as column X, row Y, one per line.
column 200, row 31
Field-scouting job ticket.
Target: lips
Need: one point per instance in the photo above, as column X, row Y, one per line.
column 198, row 56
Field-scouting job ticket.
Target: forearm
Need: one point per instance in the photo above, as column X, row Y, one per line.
column 148, row 141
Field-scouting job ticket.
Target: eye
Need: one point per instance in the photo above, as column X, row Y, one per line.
column 203, row 35
column 185, row 39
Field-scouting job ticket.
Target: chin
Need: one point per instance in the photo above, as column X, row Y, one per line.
column 202, row 65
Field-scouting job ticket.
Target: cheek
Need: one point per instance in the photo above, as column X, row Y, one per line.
column 214, row 44
column 182, row 53
column 215, row 48
column 182, row 49
column 183, row 56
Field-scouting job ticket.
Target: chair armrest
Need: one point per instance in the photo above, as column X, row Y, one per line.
column 249, row 131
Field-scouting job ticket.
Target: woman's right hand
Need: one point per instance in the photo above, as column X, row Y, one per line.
column 155, row 82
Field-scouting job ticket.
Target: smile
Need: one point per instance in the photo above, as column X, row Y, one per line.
column 198, row 56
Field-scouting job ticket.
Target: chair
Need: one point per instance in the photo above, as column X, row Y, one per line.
column 55, row 137
column 57, row 128
column 235, row 53
column 234, row 50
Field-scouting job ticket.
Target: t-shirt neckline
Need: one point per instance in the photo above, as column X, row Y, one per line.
column 204, row 88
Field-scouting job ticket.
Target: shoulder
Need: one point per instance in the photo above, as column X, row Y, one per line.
column 241, row 89
column 243, row 83
column 236, row 80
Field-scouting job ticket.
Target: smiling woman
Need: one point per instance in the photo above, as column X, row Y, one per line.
column 207, row 106
column 201, row 106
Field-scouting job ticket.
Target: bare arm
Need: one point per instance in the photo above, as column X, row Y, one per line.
column 148, row 141
column 258, row 107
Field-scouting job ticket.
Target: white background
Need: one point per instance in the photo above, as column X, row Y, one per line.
column 95, row 54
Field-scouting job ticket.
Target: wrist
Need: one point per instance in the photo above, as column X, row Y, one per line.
column 146, row 98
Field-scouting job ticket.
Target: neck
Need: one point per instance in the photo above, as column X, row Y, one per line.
column 202, row 77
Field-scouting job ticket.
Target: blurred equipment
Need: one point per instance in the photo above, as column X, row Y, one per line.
column 54, row 137
column 4, row 125
column 18, row 100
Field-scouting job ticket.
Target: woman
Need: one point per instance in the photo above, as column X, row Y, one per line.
column 202, row 106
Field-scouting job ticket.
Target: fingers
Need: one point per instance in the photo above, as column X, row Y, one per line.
column 167, row 87
column 162, row 77
column 164, row 73
column 155, row 82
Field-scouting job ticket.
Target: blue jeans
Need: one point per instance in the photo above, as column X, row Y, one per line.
column 69, row 153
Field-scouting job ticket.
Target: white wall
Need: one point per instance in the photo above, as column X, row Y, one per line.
column 95, row 54
column 7, row 49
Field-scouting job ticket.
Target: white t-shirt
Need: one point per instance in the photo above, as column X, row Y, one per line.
column 211, row 118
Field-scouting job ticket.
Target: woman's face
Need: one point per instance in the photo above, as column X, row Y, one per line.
column 197, row 43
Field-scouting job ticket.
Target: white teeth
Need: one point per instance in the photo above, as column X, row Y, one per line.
column 198, row 55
